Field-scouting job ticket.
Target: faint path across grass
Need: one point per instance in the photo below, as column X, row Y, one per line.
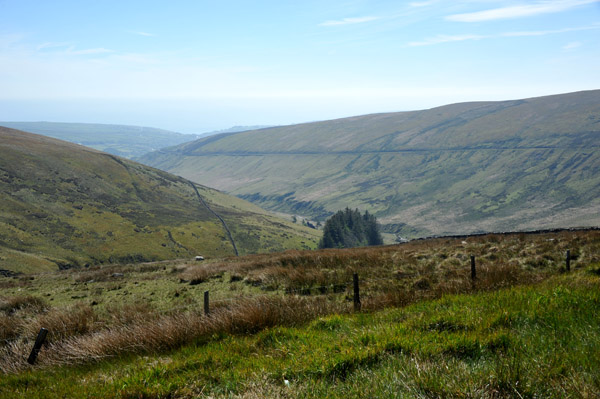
column 218, row 217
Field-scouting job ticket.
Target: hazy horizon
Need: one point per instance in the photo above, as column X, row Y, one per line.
column 145, row 117
column 196, row 67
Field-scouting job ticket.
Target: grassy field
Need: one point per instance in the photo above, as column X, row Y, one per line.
column 282, row 325
column 461, row 168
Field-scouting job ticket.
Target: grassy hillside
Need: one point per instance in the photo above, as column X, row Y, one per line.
column 122, row 140
column 64, row 205
column 235, row 129
column 488, row 166
column 282, row 325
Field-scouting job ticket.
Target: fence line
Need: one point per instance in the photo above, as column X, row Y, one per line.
column 302, row 291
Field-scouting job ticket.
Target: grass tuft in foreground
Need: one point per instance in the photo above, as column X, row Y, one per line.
column 523, row 342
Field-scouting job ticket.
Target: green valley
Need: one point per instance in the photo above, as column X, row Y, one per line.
column 461, row 168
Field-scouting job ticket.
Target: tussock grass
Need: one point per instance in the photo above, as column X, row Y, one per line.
column 299, row 286
column 197, row 274
column 12, row 304
column 536, row 341
column 397, row 275
column 131, row 331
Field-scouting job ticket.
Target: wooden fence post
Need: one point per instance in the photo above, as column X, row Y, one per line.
column 39, row 341
column 473, row 270
column 206, row 303
column 568, row 260
column 356, row 292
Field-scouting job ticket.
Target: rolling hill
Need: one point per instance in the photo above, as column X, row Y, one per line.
column 456, row 169
column 122, row 140
column 64, row 205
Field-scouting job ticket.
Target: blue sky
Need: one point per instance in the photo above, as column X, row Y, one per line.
column 195, row 66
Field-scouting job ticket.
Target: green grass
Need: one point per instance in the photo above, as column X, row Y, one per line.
column 160, row 286
column 537, row 341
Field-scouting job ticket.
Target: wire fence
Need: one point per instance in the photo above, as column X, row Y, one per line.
column 199, row 306
column 350, row 289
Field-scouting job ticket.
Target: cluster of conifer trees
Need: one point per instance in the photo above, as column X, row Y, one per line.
column 348, row 228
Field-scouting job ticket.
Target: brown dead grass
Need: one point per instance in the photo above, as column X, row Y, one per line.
column 197, row 274
column 10, row 305
column 61, row 323
column 301, row 285
column 169, row 331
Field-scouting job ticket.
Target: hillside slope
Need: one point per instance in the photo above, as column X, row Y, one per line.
column 122, row 140
column 64, row 205
column 460, row 168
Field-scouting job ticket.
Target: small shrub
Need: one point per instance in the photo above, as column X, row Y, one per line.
column 536, row 262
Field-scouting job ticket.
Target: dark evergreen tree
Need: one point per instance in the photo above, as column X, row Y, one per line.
column 372, row 230
column 348, row 228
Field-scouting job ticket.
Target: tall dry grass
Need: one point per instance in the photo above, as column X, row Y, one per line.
column 139, row 334
column 442, row 264
column 307, row 284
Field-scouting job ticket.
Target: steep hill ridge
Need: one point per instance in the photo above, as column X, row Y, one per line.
column 64, row 205
column 460, row 168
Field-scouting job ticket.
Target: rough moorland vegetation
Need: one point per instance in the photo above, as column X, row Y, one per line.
column 64, row 205
column 525, row 327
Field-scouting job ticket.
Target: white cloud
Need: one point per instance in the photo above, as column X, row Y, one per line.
column 446, row 39
column 439, row 39
column 88, row 51
column 572, row 46
column 422, row 3
column 548, row 32
column 140, row 33
column 519, row 11
column 53, row 45
column 348, row 21
column 67, row 48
